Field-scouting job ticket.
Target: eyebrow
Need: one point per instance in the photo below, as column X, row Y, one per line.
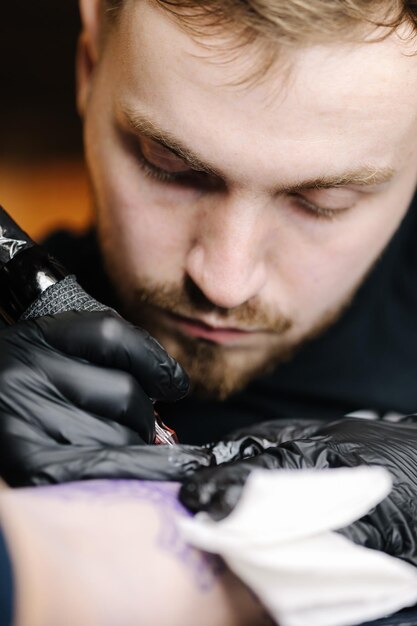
column 145, row 126
column 364, row 175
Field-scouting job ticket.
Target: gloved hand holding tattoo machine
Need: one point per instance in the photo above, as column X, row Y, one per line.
column 78, row 381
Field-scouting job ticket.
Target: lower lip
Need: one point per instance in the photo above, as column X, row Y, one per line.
column 200, row 331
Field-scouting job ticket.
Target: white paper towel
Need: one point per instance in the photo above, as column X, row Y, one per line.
column 279, row 541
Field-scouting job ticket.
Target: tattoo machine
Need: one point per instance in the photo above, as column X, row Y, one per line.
column 33, row 283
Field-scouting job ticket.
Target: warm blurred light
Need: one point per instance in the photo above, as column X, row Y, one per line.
column 46, row 196
column 42, row 180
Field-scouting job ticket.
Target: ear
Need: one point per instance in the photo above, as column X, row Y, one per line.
column 87, row 50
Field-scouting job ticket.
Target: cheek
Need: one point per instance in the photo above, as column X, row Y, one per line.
column 328, row 261
column 151, row 236
column 325, row 262
column 154, row 242
column 144, row 232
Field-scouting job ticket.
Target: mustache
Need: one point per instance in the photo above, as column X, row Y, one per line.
column 189, row 301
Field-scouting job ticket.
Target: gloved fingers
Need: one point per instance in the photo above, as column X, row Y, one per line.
column 58, row 463
column 216, row 490
column 53, row 420
column 365, row 534
column 111, row 394
column 277, row 431
column 389, row 527
column 106, row 339
column 251, row 441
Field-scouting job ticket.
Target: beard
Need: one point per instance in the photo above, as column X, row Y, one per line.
column 216, row 371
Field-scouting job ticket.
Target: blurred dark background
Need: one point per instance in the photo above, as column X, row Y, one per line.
column 42, row 178
column 37, row 47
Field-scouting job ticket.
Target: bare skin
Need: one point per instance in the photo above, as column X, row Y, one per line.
column 109, row 552
column 308, row 174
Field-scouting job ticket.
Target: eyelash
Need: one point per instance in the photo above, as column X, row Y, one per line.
column 161, row 176
column 319, row 212
column 156, row 173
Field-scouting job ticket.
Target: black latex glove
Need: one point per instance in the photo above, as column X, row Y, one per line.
column 75, row 393
column 390, row 527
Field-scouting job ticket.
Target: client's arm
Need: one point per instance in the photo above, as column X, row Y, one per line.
column 108, row 552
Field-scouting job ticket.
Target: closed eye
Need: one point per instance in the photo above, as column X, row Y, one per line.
column 164, row 166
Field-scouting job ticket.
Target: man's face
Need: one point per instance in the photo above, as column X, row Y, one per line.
column 238, row 220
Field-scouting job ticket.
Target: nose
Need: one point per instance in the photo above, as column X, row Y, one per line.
column 227, row 256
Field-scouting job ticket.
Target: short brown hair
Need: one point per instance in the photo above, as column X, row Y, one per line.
column 272, row 23
column 288, row 20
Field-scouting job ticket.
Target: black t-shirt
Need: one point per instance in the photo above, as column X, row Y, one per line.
column 366, row 360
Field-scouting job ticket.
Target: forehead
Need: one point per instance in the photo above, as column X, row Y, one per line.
column 356, row 100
